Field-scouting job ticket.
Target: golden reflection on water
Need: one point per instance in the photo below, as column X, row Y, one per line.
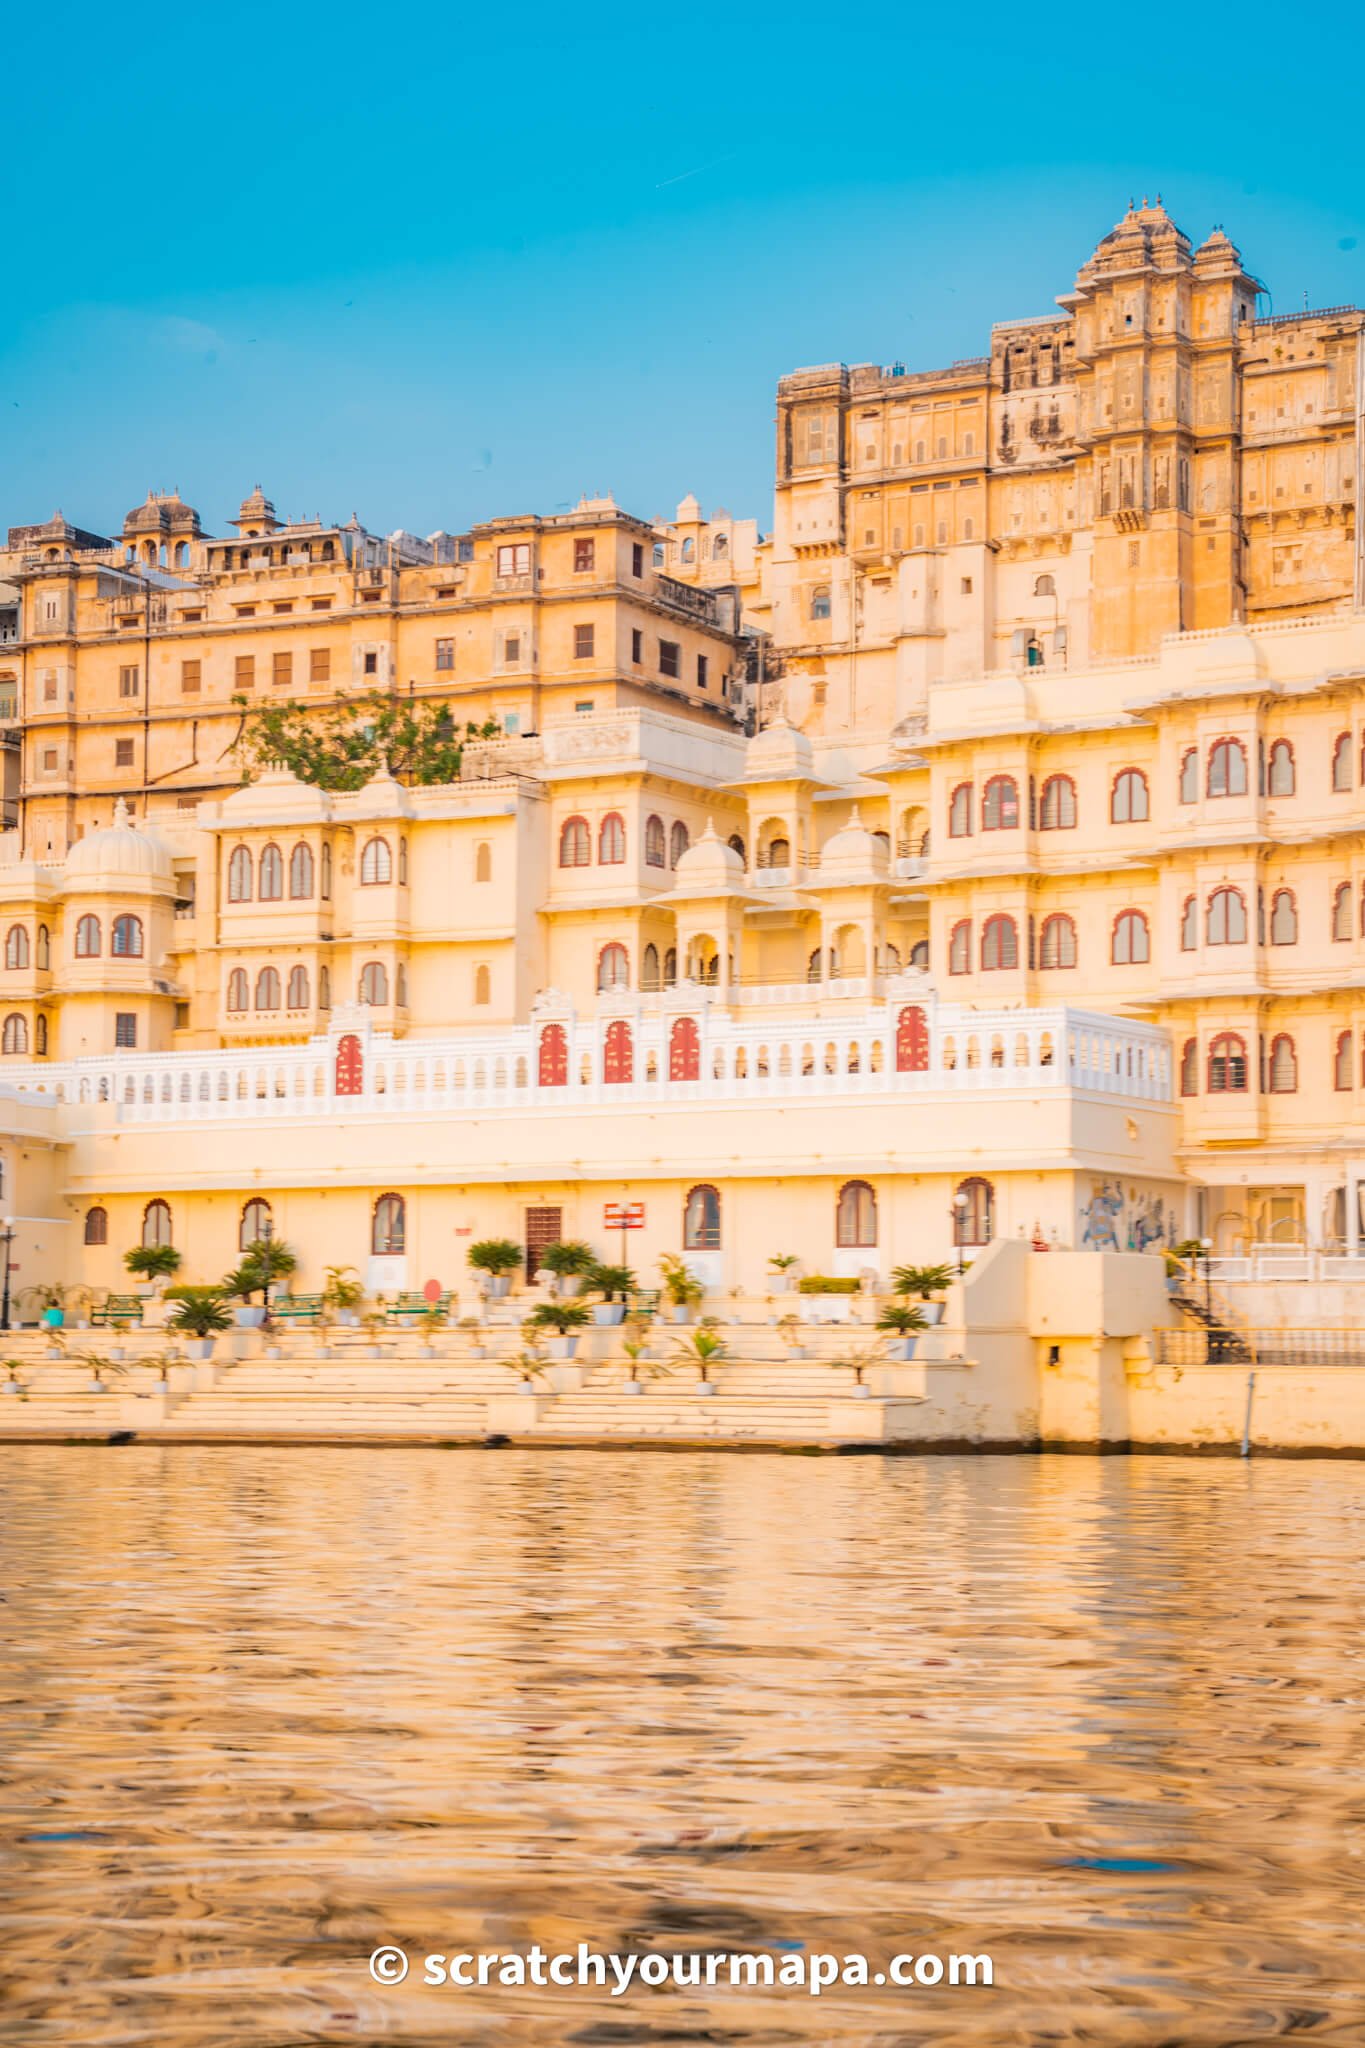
column 262, row 1710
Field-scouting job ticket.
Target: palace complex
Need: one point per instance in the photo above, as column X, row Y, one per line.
column 977, row 855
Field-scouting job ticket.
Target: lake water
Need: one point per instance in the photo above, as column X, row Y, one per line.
column 263, row 1710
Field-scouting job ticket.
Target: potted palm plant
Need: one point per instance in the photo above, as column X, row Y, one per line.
column 152, row 1264
column 861, row 1362
column 372, row 1322
column 789, row 1329
column 53, row 1299
column 634, row 1348
column 614, row 1284
column 100, row 1365
column 570, row 1262
column 496, row 1259
column 473, row 1329
column 431, row 1320
column 681, row 1285
column 782, row 1264
column 702, row 1348
column 566, row 1319
column 528, row 1365
column 923, row 1283
column 263, row 1266
column 343, row 1296
column 13, row 1384
column 902, row 1321
column 199, row 1315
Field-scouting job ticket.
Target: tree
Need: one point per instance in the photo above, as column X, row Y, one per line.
column 345, row 745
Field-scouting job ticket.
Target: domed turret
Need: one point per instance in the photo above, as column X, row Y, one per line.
column 119, row 854
column 708, row 866
column 255, row 515
column 163, row 514
column 852, row 850
column 780, row 753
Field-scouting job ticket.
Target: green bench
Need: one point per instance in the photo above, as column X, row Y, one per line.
column 117, row 1308
column 416, row 1305
column 296, row 1308
column 644, row 1302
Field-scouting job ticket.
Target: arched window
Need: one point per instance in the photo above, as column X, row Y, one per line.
column 1128, row 800
column 701, row 1220
column 1227, row 768
column 1132, row 945
column 656, row 851
column 679, row 840
column 1341, row 761
column 156, row 1224
column 298, row 988
column 87, row 937
column 974, row 1219
column 16, row 946
column 611, row 841
column 1284, row 918
column 127, row 938
column 1227, row 920
column 684, row 1050
column 689, row 549
column 1227, row 1064
column 326, row 890
column 376, row 863
column 855, row 1216
column 43, row 949
column 575, row 844
column 1279, row 780
column 999, row 944
column 618, row 1053
column 237, row 990
column 960, row 812
column 389, row 1231
column 779, row 852
column 1343, row 1062
column 267, row 989
column 255, row 1225
column 15, row 1035
column 613, row 967
column 1189, row 1067
column 553, row 1061
column 301, row 873
column 403, row 863
column 1341, row 911
column 919, row 955
column 819, row 601
column 270, row 887
column 1044, row 586
column 483, row 862
column 1189, row 776
column 912, row 1041
column 40, row 1034
column 1057, row 942
column 1000, row 804
column 324, row 988
column 97, row 1226
column 649, row 967
column 483, row 986
column 1283, row 1072
column 1057, row 806
column 670, row 967
column 374, row 983
column 1189, row 926
column 239, row 876
column 960, row 947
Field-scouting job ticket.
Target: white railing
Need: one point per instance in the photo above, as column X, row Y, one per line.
column 736, row 1059
column 1281, row 1262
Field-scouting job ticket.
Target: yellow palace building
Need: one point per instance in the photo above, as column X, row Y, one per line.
column 978, row 855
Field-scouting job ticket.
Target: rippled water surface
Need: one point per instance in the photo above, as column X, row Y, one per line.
column 264, row 1709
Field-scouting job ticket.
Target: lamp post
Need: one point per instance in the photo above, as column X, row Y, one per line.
column 1206, row 1244
column 958, row 1212
column 7, row 1239
column 267, row 1232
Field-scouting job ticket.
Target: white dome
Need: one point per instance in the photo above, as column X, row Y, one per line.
column 276, row 794
column 709, row 864
column 853, row 848
column 779, row 752
column 121, row 851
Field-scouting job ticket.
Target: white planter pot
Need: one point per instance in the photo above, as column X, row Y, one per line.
column 608, row 1314
column 901, row 1347
column 98, row 1387
column 567, row 1285
column 272, row 1351
column 199, row 1347
column 11, row 1387
column 933, row 1312
column 561, row 1347
column 862, row 1393
column 782, row 1283
column 680, row 1312
column 627, row 1387
column 703, row 1388
column 117, row 1351
column 499, row 1286
column 146, row 1288
column 527, row 1387
column 247, row 1317
column 348, row 1318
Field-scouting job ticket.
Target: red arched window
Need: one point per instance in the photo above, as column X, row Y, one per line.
column 1283, row 1069
column 350, row 1066
column 912, row 1041
column 127, row 937
column 1342, row 1063
column 1227, row 920
column 156, row 1224
column 270, row 887
column 960, row 812
column 87, row 937
column 1341, row 911
column 1341, row 762
column 613, row 967
column 1057, row 805
column 1000, row 804
column 656, row 850
column 1284, row 918
column 679, row 840
column 376, row 863
column 1227, row 768
column 1057, row 941
column 974, row 1217
column 1128, row 801
column 1189, row 925
column 618, row 1054
column 684, row 1050
column 1189, row 1067
column 554, row 1057
column 239, row 876
column 237, row 989
column 1227, row 1064
column 701, row 1220
column 1189, row 776
column 611, row 840
column 1279, row 780
column 960, row 947
column 855, row 1216
column 389, row 1229
column 575, row 844
column 999, row 944
column 1132, row 944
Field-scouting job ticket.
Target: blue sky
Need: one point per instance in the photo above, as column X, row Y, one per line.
column 432, row 268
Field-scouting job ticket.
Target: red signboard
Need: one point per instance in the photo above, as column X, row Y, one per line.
column 623, row 1216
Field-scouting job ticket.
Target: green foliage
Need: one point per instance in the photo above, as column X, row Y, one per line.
column 822, row 1283
column 681, row 1284
column 345, row 745
column 495, row 1255
column 264, row 1264
column 562, row 1316
column 700, row 1348
column 610, row 1281
column 922, row 1281
column 571, row 1256
column 52, row 1294
column 903, row 1318
column 343, row 1291
column 781, row 1261
column 152, row 1261
column 198, row 1312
